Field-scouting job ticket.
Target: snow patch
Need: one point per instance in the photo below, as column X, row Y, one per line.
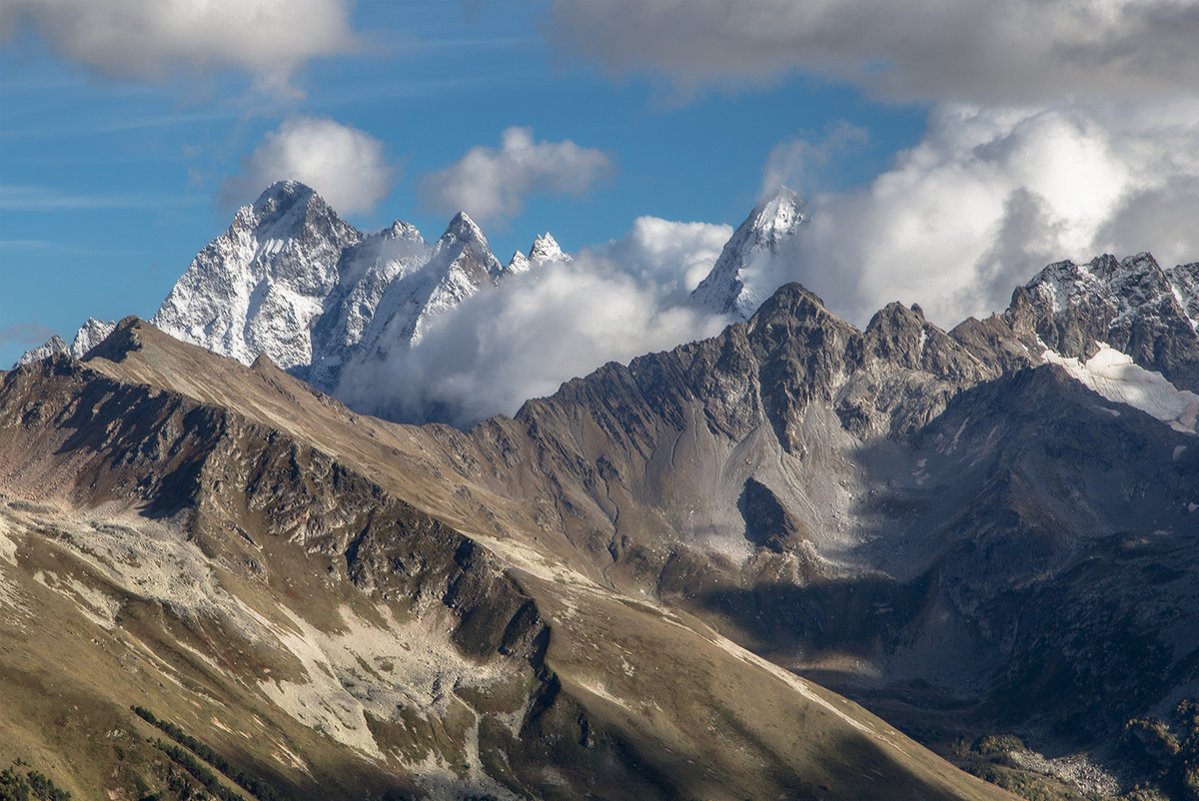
column 1114, row 376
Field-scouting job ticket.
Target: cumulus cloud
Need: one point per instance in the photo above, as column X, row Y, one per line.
column 984, row 51
column 523, row 339
column 344, row 165
column 992, row 194
column 671, row 256
column 492, row 184
column 151, row 39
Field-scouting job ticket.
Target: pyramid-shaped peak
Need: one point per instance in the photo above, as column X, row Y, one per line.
column 462, row 227
column 778, row 213
column 743, row 277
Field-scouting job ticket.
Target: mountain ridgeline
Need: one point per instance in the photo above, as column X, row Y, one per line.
column 293, row 281
column 660, row 582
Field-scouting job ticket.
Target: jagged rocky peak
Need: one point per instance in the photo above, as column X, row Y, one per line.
column 259, row 287
column 1131, row 305
column 90, row 334
column 55, row 344
column 745, row 273
column 519, row 263
column 544, row 249
column 402, row 230
column 365, row 270
column 459, row 264
column 87, row 337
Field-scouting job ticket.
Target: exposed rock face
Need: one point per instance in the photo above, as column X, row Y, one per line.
column 951, row 486
column 460, row 264
column 365, row 271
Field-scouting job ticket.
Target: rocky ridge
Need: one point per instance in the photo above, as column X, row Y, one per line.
column 90, row 334
column 996, row 519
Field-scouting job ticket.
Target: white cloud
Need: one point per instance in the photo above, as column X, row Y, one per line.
column 980, row 50
column 991, row 195
column 491, row 184
column 672, row 256
column 344, row 165
column 151, row 39
column 538, row 329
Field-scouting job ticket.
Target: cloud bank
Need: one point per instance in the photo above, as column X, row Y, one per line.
column 673, row 257
column 538, row 329
column 490, row 184
column 344, row 165
column 992, row 195
column 1017, row 51
column 152, row 39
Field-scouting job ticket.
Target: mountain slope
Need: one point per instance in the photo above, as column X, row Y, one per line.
column 247, row 558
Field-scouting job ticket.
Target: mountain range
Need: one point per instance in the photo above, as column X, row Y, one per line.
column 666, row 580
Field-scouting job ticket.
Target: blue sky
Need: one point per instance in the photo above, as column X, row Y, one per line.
column 944, row 153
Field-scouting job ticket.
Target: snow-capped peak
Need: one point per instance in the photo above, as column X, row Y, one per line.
column 1132, row 304
column 464, row 246
column 545, row 248
column 89, row 335
column 745, row 275
column 260, row 286
column 519, row 263
column 55, row 344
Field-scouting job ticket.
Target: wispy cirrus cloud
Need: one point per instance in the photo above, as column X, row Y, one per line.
column 30, row 332
column 31, row 197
